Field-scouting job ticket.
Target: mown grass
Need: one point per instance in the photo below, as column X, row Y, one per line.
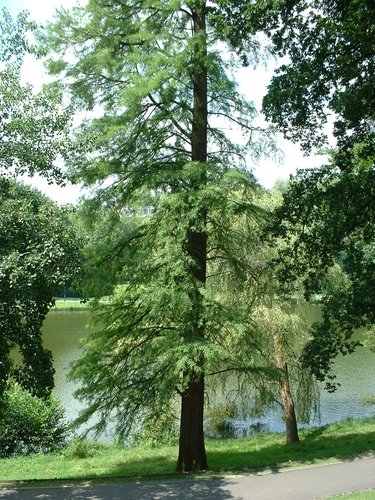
column 338, row 441
column 69, row 304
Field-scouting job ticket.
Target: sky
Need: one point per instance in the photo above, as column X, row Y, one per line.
column 252, row 83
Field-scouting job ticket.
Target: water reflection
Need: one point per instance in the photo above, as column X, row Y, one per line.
column 63, row 330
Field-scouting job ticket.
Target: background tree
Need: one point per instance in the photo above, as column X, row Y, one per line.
column 326, row 216
column 38, row 253
column 34, row 126
column 155, row 71
column 265, row 341
column 329, row 69
column 327, row 221
column 38, row 249
column 327, row 213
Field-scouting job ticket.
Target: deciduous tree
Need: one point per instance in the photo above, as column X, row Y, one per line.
column 38, row 252
column 34, row 126
column 38, row 249
column 327, row 75
column 156, row 72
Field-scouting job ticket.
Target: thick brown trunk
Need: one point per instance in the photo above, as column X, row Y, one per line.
column 289, row 412
column 192, row 455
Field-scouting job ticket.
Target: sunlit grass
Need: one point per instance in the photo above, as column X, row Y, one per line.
column 361, row 495
column 345, row 439
column 69, row 304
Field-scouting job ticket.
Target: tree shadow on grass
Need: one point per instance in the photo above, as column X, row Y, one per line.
column 314, row 447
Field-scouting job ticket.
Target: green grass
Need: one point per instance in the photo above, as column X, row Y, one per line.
column 360, row 495
column 345, row 439
column 69, row 304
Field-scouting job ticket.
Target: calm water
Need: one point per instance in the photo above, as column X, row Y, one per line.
column 63, row 330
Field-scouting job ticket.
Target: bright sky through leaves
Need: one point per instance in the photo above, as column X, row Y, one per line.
column 251, row 83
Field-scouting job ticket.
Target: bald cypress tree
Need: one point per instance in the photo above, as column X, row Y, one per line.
column 154, row 69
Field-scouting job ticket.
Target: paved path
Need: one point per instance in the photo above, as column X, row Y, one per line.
column 299, row 484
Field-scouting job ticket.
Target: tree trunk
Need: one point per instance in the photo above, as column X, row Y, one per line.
column 192, row 455
column 289, row 412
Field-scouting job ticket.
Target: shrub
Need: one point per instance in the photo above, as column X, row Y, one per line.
column 218, row 420
column 160, row 431
column 29, row 424
column 80, row 447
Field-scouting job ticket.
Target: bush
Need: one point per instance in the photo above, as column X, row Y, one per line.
column 80, row 447
column 29, row 424
column 160, row 431
column 218, row 420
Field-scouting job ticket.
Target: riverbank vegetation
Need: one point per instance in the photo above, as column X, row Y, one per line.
column 84, row 459
column 36, row 257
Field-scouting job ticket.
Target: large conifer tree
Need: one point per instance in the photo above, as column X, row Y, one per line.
column 154, row 68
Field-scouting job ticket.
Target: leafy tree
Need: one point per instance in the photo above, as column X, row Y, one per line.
column 34, row 127
column 265, row 342
column 283, row 332
column 38, row 253
column 331, row 71
column 326, row 219
column 154, row 68
column 329, row 68
column 38, row 249
column 14, row 38
column 327, row 214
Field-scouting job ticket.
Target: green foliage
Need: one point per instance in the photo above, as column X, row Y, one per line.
column 80, row 447
column 149, row 65
column 39, row 251
column 13, row 35
column 156, row 432
column 34, row 127
column 218, row 424
column 29, row 424
column 326, row 223
column 326, row 216
column 283, row 333
column 329, row 68
column 266, row 329
column 148, row 314
column 330, row 46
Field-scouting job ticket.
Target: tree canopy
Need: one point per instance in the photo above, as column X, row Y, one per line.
column 160, row 144
column 327, row 222
column 325, row 76
column 326, row 70
column 38, row 252
column 34, row 126
column 327, row 215
column 330, row 46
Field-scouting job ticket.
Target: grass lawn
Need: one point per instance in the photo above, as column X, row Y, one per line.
column 69, row 304
column 260, row 452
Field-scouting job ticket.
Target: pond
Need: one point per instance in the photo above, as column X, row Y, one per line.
column 63, row 330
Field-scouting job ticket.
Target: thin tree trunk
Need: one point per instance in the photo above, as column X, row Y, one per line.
column 288, row 403
column 192, row 455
